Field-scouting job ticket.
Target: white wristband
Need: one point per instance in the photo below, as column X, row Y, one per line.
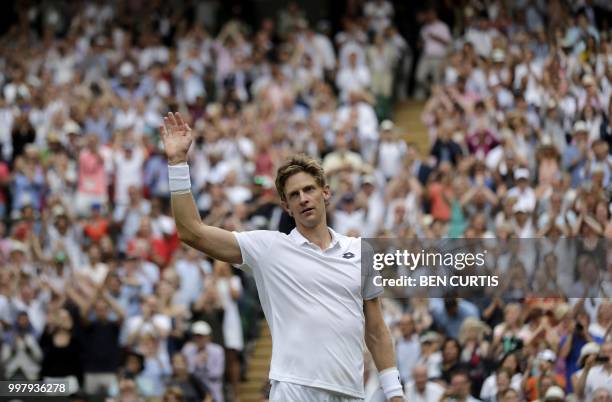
column 390, row 382
column 179, row 179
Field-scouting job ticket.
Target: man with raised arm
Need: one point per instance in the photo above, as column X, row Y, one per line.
column 317, row 304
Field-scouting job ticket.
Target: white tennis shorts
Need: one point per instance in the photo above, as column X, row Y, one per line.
column 289, row 392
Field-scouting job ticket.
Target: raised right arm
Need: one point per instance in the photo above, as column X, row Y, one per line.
column 215, row 242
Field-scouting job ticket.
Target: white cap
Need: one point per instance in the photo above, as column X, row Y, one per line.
column 547, row 355
column 201, row 328
column 588, row 80
column 567, row 42
column 18, row 246
column 368, row 179
column 166, row 225
column 58, row 210
column 429, row 336
column 554, row 392
column 498, row 55
column 71, row 127
column 580, row 126
column 521, row 173
column 520, row 207
column 387, row 125
column 126, row 69
column 590, row 348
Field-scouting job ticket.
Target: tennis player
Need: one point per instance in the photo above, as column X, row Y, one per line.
column 317, row 304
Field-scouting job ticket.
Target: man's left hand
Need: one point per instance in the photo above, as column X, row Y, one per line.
column 397, row 399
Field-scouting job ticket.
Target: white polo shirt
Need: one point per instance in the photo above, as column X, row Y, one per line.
column 313, row 301
column 432, row 393
column 598, row 377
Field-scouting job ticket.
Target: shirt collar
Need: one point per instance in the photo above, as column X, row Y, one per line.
column 299, row 239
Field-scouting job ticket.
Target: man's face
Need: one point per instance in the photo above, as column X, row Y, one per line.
column 545, row 365
column 601, row 395
column 178, row 363
column 420, row 378
column 201, row 340
column 305, row 199
column 406, row 326
column 600, row 149
column 580, row 137
column 149, row 305
column 503, row 381
column 510, row 396
column 460, row 384
column 101, row 309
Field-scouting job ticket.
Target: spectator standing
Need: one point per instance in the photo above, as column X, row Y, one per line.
column 435, row 38
column 229, row 288
column 595, row 374
column 100, row 343
column 420, row 388
column 206, row 360
column 459, row 388
column 21, row 353
column 408, row 351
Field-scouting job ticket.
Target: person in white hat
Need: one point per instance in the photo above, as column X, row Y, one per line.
column 431, row 356
column 597, row 372
column 421, row 388
column 318, row 304
column 435, row 37
column 554, row 394
column 545, row 361
column 589, row 349
column 391, row 151
column 205, row 359
column 601, row 395
column 522, row 191
column 575, row 155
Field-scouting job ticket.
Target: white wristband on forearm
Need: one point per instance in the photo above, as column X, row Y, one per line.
column 390, row 382
column 178, row 176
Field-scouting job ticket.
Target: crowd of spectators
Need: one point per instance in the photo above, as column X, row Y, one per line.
column 95, row 286
column 518, row 114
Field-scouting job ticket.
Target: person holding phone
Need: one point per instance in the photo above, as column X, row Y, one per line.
column 597, row 373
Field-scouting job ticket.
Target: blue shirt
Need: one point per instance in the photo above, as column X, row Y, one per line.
column 26, row 191
column 408, row 353
column 571, row 361
column 569, row 156
column 452, row 324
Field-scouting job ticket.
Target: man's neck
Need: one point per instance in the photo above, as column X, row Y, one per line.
column 319, row 235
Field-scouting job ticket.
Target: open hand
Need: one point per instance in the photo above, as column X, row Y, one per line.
column 177, row 138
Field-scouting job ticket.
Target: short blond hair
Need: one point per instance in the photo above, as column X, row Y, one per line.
column 294, row 165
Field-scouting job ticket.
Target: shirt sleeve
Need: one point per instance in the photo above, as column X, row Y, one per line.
column 253, row 246
column 368, row 289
